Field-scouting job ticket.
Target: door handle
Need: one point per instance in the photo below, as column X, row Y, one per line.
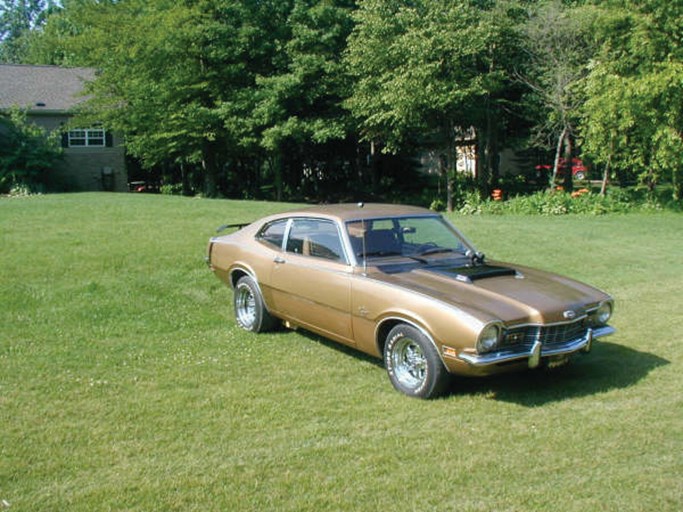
column 279, row 259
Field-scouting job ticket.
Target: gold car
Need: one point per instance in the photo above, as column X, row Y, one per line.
column 403, row 284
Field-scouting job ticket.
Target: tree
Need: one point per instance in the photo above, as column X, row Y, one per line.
column 174, row 77
column 558, row 45
column 633, row 117
column 299, row 104
column 27, row 152
column 213, row 86
column 18, row 18
column 53, row 43
column 429, row 69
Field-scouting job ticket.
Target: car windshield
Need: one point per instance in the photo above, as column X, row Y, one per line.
column 412, row 237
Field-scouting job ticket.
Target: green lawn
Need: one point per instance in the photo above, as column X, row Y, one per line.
column 125, row 385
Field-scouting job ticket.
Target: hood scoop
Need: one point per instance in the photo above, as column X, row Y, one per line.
column 471, row 273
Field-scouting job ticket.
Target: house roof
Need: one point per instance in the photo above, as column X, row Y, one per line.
column 42, row 88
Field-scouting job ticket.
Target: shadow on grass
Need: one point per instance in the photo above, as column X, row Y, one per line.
column 357, row 354
column 609, row 366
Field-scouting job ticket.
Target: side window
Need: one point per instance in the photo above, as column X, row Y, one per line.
column 273, row 233
column 316, row 238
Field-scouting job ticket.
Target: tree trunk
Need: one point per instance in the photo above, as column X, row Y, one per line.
column 605, row 174
column 491, row 149
column 677, row 185
column 275, row 164
column 556, row 162
column 373, row 165
column 210, row 171
column 451, row 166
column 568, row 181
column 482, row 173
column 185, row 180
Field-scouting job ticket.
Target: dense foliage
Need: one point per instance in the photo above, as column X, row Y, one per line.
column 27, row 154
column 18, row 18
column 633, row 114
column 334, row 99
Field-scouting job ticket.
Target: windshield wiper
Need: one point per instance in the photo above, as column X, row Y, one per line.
column 435, row 250
column 378, row 253
column 417, row 258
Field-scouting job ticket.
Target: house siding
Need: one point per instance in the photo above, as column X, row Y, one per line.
column 85, row 168
column 94, row 169
column 49, row 94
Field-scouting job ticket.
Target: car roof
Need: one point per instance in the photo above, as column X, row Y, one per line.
column 357, row 211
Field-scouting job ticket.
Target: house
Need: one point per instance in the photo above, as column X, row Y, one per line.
column 94, row 159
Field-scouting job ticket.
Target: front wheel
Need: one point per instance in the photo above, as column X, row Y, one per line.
column 413, row 363
column 250, row 311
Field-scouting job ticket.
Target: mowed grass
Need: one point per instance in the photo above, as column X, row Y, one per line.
column 125, row 384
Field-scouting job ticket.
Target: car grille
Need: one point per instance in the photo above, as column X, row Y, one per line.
column 548, row 335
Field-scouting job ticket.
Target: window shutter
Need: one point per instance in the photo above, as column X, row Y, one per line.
column 108, row 139
column 65, row 139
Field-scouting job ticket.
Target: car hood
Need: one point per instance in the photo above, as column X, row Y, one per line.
column 511, row 293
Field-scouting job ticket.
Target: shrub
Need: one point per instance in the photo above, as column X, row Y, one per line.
column 27, row 153
column 557, row 202
column 172, row 189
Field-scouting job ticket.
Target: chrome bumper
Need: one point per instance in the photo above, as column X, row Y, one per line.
column 538, row 351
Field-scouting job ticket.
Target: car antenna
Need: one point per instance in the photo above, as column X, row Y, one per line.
column 363, row 249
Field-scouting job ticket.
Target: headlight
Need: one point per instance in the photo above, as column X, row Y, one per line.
column 602, row 314
column 488, row 339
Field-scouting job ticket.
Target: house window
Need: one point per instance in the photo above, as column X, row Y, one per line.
column 93, row 137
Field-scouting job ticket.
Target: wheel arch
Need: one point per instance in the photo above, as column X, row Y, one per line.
column 238, row 272
column 388, row 323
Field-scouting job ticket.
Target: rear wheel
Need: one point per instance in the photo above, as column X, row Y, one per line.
column 250, row 311
column 413, row 363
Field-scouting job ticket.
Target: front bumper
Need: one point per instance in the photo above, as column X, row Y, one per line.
column 537, row 351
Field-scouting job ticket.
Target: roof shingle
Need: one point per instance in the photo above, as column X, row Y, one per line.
column 42, row 88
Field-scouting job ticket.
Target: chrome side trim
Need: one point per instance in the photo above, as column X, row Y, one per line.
column 537, row 351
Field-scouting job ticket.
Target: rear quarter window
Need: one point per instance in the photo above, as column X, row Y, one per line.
column 273, row 233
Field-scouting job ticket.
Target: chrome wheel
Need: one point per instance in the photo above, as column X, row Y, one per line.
column 413, row 362
column 250, row 310
column 245, row 306
column 409, row 362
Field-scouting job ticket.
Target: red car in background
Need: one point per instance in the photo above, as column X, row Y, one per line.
column 579, row 170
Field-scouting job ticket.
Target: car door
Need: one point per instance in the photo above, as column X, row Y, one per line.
column 310, row 282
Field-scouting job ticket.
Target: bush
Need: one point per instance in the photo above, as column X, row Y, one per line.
column 20, row 190
column 557, row 202
column 172, row 189
column 27, row 153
